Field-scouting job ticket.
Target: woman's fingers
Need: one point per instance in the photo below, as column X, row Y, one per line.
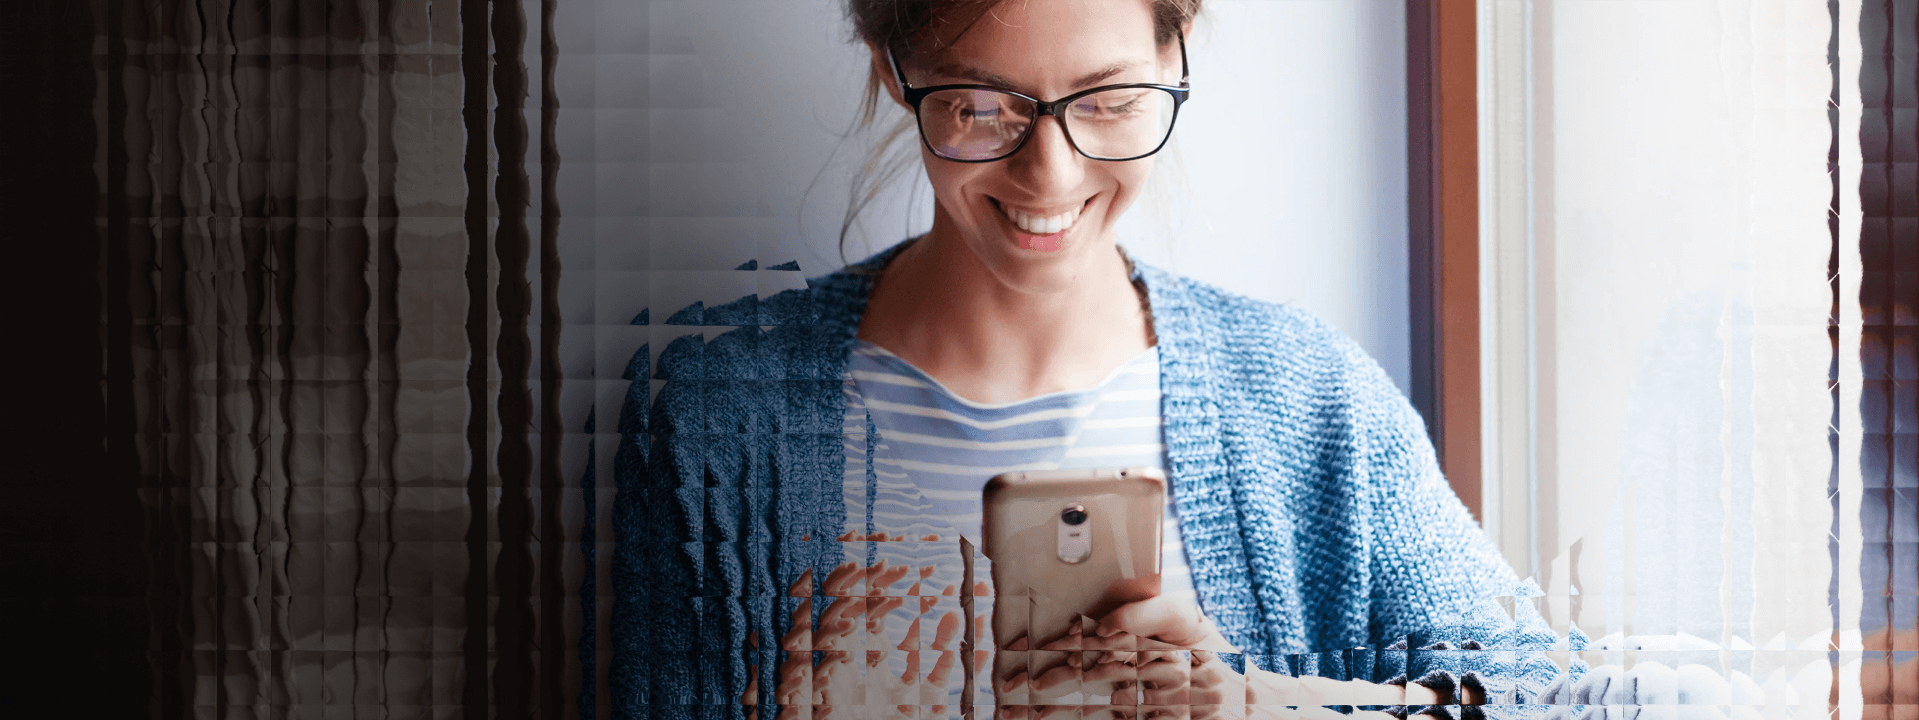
column 884, row 575
column 1167, row 620
column 841, row 582
column 1273, row 689
column 1058, row 712
column 1270, row 689
column 1415, row 694
column 1069, row 641
column 1118, row 641
column 845, row 580
column 942, row 668
column 1222, row 711
column 1011, row 690
column 1108, row 673
column 1013, row 683
column 799, row 636
column 840, row 612
column 910, row 643
column 850, row 536
column 1165, row 682
column 947, row 630
column 912, row 668
column 877, row 610
column 1109, row 712
column 802, row 586
column 1326, row 691
column 1168, row 712
column 794, row 673
column 837, row 623
column 1214, row 682
column 1055, row 674
column 751, row 695
column 1113, row 666
column 825, row 690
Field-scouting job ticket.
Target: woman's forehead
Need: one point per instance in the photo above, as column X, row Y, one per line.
column 1073, row 43
column 988, row 77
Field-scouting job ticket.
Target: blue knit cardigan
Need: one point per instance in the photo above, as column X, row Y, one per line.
column 1322, row 537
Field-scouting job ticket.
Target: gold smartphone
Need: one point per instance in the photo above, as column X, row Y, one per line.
column 1067, row 546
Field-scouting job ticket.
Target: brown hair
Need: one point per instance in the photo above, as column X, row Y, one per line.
column 921, row 27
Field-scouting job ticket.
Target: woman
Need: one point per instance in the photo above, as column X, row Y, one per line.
column 831, row 455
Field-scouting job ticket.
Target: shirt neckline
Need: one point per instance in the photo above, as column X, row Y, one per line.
column 1149, row 354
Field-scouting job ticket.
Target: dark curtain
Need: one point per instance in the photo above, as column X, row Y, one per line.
column 1889, row 355
column 331, row 325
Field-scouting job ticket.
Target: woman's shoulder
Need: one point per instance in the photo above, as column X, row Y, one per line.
column 1247, row 332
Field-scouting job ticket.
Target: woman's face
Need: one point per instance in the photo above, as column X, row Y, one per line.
column 1002, row 210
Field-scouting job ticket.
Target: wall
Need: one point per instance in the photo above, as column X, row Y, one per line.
column 699, row 134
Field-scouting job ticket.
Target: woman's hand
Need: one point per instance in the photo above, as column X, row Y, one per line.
column 1083, row 659
column 1207, row 688
column 1155, row 657
column 808, row 690
column 1158, row 623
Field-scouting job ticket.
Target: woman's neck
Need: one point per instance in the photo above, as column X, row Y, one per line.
column 938, row 307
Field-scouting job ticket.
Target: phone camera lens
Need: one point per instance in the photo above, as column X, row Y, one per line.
column 1074, row 515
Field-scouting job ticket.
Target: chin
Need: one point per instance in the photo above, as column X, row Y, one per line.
column 1058, row 262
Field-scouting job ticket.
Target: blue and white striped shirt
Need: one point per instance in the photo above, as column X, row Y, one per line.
column 935, row 451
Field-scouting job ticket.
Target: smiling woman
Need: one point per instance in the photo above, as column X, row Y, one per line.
column 1017, row 290
column 345, row 456
column 1306, row 512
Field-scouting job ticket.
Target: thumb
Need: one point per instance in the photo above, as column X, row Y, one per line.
column 1167, row 620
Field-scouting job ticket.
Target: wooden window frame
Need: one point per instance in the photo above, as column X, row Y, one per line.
column 1442, row 132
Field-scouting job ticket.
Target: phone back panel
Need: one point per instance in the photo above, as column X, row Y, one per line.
column 1033, row 587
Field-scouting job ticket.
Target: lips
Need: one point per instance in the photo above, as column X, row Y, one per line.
column 1037, row 224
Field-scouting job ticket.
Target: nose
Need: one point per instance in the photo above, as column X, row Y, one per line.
column 1048, row 165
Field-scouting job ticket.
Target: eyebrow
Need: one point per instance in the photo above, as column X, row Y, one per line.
column 982, row 76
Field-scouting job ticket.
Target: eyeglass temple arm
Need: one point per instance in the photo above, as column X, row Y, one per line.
column 898, row 74
column 1184, row 74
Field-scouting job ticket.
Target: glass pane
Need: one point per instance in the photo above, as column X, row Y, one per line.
column 1120, row 123
column 974, row 124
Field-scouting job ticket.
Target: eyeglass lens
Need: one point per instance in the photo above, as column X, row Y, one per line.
column 979, row 124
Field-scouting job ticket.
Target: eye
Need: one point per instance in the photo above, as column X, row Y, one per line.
column 1109, row 105
column 979, row 113
column 971, row 110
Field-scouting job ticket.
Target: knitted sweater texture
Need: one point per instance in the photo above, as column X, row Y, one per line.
column 1318, row 526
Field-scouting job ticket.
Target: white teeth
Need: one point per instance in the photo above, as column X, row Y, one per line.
column 1038, row 225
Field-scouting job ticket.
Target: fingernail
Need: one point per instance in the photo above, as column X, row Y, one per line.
column 1105, row 631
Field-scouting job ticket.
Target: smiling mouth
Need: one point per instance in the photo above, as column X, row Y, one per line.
column 1041, row 224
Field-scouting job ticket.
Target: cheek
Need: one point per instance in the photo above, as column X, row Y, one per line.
column 1128, row 180
column 952, row 182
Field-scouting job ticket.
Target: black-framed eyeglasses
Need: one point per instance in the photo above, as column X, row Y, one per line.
column 982, row 123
